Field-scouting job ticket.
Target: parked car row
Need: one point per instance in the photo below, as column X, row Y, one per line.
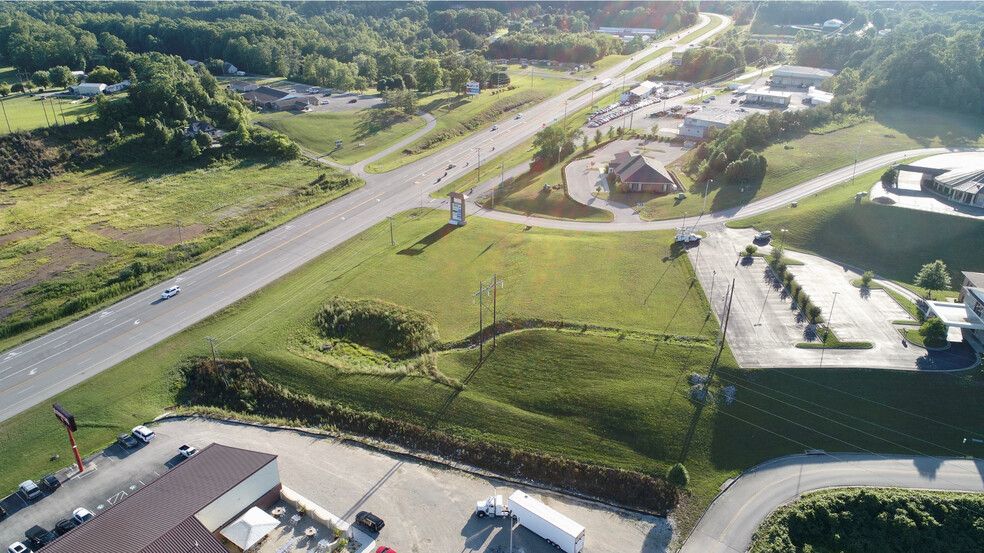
column 607, row 116
column 38, row 537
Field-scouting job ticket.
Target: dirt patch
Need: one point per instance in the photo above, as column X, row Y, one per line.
column 61, row 255
column 161, row 236
column 26, row 233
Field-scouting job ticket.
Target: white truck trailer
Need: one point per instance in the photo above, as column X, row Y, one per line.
column 604, row 83
column 558, row 530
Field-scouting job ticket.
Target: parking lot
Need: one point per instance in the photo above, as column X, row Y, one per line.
column 426, row 508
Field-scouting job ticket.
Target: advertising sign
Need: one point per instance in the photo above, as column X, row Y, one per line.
column 472, row 88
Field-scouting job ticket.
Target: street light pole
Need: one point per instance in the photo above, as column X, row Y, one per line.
column 826, row 330
column 710, row 297
column 706, row 187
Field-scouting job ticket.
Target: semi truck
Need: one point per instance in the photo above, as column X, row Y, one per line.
column 558, row 530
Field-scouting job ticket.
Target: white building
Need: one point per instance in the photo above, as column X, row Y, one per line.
column 803, row 77
column 118, row 86
column 641, row 91
column 967, row 313
column 832, row 24
column 88, row 89
column 767, row 97
column 817, row 97
column 697, row 124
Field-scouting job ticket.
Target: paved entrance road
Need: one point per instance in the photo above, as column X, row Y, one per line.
column 733, row 517
column 39, row 369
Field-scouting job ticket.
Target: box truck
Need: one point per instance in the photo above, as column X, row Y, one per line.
column 558, row 530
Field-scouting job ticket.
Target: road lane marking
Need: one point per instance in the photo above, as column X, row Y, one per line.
column 282, row 244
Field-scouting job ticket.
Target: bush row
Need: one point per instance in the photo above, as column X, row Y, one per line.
column 875, row 520
column 802, row 299
column 234, row 385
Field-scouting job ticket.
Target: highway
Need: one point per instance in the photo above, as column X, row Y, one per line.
column 728, row 524
column 41, row 368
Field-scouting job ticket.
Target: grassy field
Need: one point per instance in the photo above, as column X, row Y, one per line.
column 693, row 35
column 810, row 155
column 74, row 232
column 612, row 395
column 452, row 111
column 26, row 113
column 891, row 241
column 318, row 131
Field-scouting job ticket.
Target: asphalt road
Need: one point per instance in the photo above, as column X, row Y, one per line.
column 727, row 526
column 41, row 368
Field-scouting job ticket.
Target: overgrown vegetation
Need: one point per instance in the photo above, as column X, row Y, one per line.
column 399, row 331
column 211, row 384
column 886, row 520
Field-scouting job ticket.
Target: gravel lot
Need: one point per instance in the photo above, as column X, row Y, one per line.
column 426, row 508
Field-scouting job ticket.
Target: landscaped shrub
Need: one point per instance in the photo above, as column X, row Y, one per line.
column 678, row 475
column 399, row 331
column 234, row 385
column 813, row 313
column 750, row 250
column 866, row 278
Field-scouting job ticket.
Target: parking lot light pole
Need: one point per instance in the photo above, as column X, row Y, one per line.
column 710, row 297
column 706, row 187
column 826, row 330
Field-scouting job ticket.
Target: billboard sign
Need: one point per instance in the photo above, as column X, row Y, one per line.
column 472, row 88
column 338, row 143
column 65, row 417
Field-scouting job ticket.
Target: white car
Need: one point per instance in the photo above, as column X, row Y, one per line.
column 495, row 127
column 30, row 489
column 143, row 434
column 18, row 547
column 170, row 292
column 82, row 514
column 519, row 116
column 764, row 235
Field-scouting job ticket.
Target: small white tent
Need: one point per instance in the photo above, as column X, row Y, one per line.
column 250, row 528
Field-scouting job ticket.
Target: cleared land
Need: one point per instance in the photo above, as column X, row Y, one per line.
column 469, row 114
column 25, row 113
column 318, row 131
column 75, row 238
column 893, row 242
column 809, row 155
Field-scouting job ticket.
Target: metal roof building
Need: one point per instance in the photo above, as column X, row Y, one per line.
column 795, row 75
column 179, row 511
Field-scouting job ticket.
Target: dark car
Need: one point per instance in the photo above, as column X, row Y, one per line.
column 370, row 521
column 353, row 100
column 39, row 537
column 127, row 441
column 64, row 526
column 51, row 482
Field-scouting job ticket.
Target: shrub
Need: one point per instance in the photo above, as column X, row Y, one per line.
column 933, row 330
column 400, row 331
column 866, row 278
column 813, row 312
column 750, row 250
column 678, row 475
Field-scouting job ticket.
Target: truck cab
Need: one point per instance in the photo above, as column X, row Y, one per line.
column 491, row 507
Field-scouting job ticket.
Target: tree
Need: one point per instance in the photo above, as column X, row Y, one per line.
column 750, row 250
column 890, row 177
column 40, row 79
column 403, row 100
column 61, row 76
column 598, row 136
column 933, row 276
column 457, row 79
column 4, row 90
column 584, row 143
column 678, row 475
column 102, row 74
column 429, row 75
column 813, row 312
column 933, row 330
column 866, row 278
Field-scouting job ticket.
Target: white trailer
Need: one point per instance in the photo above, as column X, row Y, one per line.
column 604, row 83
column 557, row 529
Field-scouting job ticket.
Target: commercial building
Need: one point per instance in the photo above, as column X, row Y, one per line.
column 803, row 77
column 643, row 90
column 817, row 97
column 832, row 24
column 967, row 313
column 88, row 89
column 243, row 86
column 697, row 124
column 767, row 97
column 264, row 95
column 962, row 186
column 184, row 509
column 637, row 173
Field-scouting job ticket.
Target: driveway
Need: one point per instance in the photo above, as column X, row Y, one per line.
column 426, row 508
column 730, row 521
column 765, row 326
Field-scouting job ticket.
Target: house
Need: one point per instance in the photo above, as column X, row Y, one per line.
column 767, row 97
column 832, row 24
column 803, row 77
column 229, row 69
column 297, row 103
column 697, row 124
column 203, row 127
column 967, row 313
column 184, row 509
column 242, row 86
column 192, row 62
column 87, row 89
column 264, row 95
column 637, row 173
column 118, row 86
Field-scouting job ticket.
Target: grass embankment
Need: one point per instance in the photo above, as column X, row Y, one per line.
column 874, row 520
column 810, row 155
column 893, row 242
column 461, row 116
column 25, row 113
column 693, row 35
column 318, row 131
column 71, row 236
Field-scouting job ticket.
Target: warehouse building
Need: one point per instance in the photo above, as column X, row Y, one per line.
column 766, row 97
column 184, row 509
column 798, row 76
column 698, row 123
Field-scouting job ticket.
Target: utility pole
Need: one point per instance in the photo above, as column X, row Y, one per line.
column 486, row 289
column 62, row 110
column 706, row 187
column 46, row 120
column 211, row 342
column 531, row 76
column 502, row 167
column 710, row 297
column 479, row 166
column 392, row 242
column 4, row 107
column 826, row 330
column 856, row 154
column 565, row 119
column 180, row 238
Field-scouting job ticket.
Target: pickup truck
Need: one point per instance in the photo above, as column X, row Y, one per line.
column 187, row 450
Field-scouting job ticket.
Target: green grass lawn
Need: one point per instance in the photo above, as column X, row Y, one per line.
column 452, row 111
column 693, row 35
column 26, row 113
column 86, row 226
column 318, row 131
column 8, row 75
column 891, row 241
column 811, row 155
